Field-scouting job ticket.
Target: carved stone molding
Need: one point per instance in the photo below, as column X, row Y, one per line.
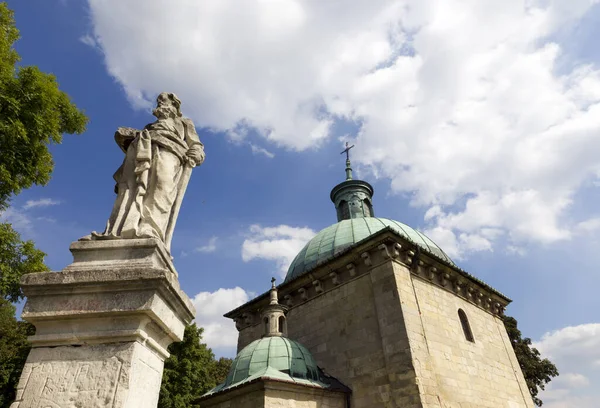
column 420, row 264
column 351, row 269
column 334, row 278
column 318, row 286
column 303, row 294
column 389, row 251
column 366, row 258
column 432, row 273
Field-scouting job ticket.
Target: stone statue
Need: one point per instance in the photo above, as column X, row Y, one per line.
column 154, row 175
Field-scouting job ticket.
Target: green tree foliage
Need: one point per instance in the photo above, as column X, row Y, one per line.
column 16, row 258
column 34, row 113
column 190, row 371
column 221, row 370
column 13, row 351
column 537, row 371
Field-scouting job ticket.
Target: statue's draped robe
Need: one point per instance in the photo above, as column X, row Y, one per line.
column 151, row 179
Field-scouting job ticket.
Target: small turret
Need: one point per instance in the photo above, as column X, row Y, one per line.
column 352, row 198
column 273, row 315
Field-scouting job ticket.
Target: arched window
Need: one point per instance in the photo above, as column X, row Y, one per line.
column 344, row 210
column 266, row 320
column 464, row 321
column 282, row 328
column 368, row 208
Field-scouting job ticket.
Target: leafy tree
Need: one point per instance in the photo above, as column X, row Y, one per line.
column 190, row 371
column 221, row 369
column 16, row 258
column 537, row 371
column 34, row 113
column 14, row 349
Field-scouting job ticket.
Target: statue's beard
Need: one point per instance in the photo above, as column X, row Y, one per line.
column 163, row 112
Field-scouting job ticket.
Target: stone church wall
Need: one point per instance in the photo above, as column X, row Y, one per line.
column 355, row 332
column 483, row 373
column 303, row 397
column 396, row 340
column 240, row 398
column 276, row 394
column 248, row 334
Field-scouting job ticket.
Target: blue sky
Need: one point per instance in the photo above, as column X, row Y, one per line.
column 478, row 125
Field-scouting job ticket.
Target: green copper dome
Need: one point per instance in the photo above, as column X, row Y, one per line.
column 276, row 358
column 346, row 233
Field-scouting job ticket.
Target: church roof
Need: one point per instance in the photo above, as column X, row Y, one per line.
column 275, row 358
column 336, row 238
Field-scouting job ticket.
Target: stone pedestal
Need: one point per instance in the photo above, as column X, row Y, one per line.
column 103, row 325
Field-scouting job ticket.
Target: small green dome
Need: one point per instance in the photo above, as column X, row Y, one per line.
column 272, row 357
column 334, row 239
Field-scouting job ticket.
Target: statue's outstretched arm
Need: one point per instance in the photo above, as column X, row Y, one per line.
column 195, row 152
column 124, row 136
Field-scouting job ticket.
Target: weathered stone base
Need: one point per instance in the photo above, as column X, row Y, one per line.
column 102, row 332
column 105, row 375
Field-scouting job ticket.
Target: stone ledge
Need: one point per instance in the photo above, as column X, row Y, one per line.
column 147, row 252
column 114, row 266
column 99, row 337
column 104, row 281
column 114, row 291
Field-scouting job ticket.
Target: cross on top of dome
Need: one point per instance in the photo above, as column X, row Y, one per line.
column 348, row 168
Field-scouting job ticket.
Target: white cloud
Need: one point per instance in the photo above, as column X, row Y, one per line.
column 588, row 226
column 261, row 150
column 211, row 246
column 19, row 219
column 573, row 380
column 219, row 332
column 280, row 244
column 473, row 107
column 47, row 219
column 42, row 202
column 89, row 40
column 576, row 352
column 574, row 342
column 574, row 402
column 515, row 250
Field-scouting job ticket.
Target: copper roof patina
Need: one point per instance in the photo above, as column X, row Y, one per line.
column 275, row 358
column 334, row 239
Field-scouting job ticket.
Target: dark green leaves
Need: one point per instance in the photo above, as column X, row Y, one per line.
column 16, row 259
column 14, row 349
column 190, row 371
column 34, row 113
column 537, row 371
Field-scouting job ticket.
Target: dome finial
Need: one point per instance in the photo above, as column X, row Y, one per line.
column 273, row 293
column 348, row 168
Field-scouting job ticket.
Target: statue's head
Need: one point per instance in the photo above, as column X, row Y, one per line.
column 167, row 105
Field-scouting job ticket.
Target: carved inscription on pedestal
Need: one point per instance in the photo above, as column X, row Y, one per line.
column 56, row 384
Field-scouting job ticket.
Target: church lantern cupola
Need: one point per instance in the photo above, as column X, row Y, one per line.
column 273, row 315
column 352, row 198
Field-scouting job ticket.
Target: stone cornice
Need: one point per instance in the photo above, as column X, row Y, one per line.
column 357, row 261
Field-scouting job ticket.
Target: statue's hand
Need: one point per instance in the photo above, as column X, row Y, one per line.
column 195, row 156
column 124, row 136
